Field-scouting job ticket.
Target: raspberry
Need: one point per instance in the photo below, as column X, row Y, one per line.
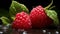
column 22, row 21
column 39, row 18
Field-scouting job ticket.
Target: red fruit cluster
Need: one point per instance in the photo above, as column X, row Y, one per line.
column 22, row 21
column 39, row 18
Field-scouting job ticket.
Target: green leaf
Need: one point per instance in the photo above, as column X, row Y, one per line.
column 53, row 15
column 17, row 7
column 5, row 20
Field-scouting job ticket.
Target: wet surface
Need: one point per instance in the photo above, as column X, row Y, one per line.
column 37, row 32
column 6, row 30
column 46, row 31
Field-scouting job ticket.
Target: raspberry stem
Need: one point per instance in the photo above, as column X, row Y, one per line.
column 52, row 7
column 49, row 5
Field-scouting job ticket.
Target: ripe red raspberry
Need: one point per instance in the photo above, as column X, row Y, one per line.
column 22, row 21
column 39, row 18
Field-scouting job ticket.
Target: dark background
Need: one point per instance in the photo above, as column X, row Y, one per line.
column 29, row 3
column 5, row 4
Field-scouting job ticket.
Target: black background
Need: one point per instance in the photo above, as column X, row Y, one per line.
column 5, row 4
column 29, row 3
